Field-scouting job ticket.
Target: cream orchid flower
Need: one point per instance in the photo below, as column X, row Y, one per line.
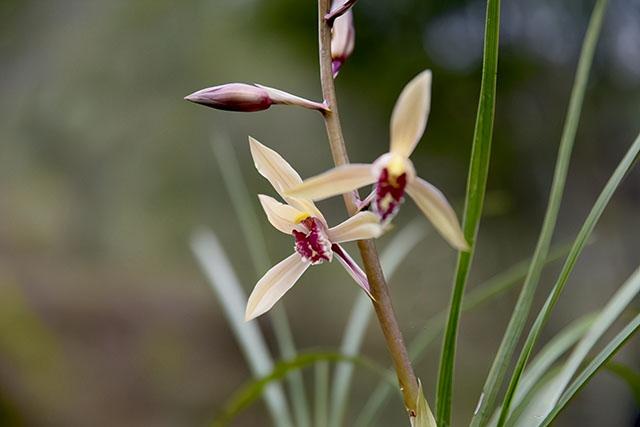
column 393, row 173
column 315, row 242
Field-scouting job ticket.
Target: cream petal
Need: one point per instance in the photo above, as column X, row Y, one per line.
column 283, row 217
column 274, row 284
column 339, row 180
column 437, row 209
column 361, row 226
column 409, row 117
column 273, row 167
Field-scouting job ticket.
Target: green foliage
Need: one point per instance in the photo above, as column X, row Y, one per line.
column 523, row 305
column 248, row 394
column 476, row 188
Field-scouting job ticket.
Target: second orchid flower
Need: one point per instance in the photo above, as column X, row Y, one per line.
column 393, row 173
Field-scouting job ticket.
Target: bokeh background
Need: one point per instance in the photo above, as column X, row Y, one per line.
column 106, row 318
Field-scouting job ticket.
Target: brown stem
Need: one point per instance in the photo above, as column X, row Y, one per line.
column 368, row 251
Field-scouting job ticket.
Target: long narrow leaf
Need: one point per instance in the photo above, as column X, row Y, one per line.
column 616, row 305
column 523, row 305
column 474, row 200
column 253, row 389
column 394, row 253
column 233, row 299
column 321, row 394
column 255, row 242
column 605, row 196
column 483, row 293
column 597, row 363
column 543, row 362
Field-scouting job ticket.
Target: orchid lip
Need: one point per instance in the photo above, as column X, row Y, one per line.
column 313, row 246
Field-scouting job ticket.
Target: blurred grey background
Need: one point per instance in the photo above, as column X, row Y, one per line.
column 105, row 171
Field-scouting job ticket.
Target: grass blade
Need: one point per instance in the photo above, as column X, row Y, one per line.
column 523, row 305
column 394, row 253
column 253, row 389
column 232, row 298
column 256, row 244
column 476, row 187
column 547, row 357
column 616, row 305
column 485, row 292
column 321, row 409
column 598, row 362
column 605, row 196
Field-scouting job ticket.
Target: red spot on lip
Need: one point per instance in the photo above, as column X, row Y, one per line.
column 313, row 246
column 389, row 194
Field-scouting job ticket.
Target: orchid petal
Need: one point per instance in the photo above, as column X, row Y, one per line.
column 283, row 217
column 274, row 284
column 281, row 175
column 409, row 117
column 361, row 226
column 352, row 268
column 437, row 209
column 339, row 180
column 273, row 167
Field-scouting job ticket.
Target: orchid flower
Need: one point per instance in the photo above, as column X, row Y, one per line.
column 315, row 242
column 393, row 173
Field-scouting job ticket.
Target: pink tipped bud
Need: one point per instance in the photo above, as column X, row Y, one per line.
column 248, row 98
column 232, row 97
column 343, row 40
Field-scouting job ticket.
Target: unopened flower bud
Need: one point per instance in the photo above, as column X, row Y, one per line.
column 343, row 39
column 248, row 98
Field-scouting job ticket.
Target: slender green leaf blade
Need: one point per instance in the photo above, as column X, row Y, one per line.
column 474, row 200
column 321, row 409
column 617, row 177
column 257, row 246
column 483, row 293
column 251, row 391
column 523, row 305
column 227, row 288
column 596, row 364
column 549, row 354
column 616, row 305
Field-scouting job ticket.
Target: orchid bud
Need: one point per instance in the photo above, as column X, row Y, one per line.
column 343, row 39
column 248, row 98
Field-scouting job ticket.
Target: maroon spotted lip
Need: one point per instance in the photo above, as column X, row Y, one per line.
column 313, row 246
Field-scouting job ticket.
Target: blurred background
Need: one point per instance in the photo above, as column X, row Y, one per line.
column 105, row 171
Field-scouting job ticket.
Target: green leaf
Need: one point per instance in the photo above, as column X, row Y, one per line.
column 543, row 362
column 227, row 288
column 603, row 200
column 321, row 394
column 476, row 187
column 484, row 292
column 394, row 253
column 248, row 394
column 616, row 305
column 257, row 248
column 523, row 305
column 598, row 362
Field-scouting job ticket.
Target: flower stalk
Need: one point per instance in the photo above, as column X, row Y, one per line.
column 379, row 289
